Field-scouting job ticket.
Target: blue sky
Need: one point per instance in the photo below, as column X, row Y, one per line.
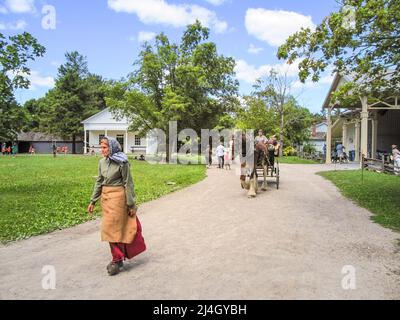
column 110, row 34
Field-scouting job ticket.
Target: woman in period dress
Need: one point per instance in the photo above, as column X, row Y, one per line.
column 114, row 186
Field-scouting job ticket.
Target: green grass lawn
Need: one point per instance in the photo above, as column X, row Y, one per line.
column 296, row 160
column 380, row 194
column 41, row 194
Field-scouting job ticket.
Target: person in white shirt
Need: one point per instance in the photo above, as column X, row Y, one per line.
column 396, row 159
column 220, row 151
column 261, row 138
column 352, row 150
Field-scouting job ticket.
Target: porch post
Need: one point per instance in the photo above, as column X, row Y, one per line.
column 345, row 136
column 126, row 142
column 85, row 143
column 329, row 137
column 364, row 126
column 374, row 145
column 357, row 140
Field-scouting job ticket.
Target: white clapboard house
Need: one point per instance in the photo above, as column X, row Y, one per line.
column 105, row 124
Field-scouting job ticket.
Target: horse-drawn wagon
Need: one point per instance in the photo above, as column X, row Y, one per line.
column 264, row 164
column 271, row 163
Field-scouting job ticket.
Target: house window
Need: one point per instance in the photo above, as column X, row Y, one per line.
column 121, row 140
column 138, row 141
column 101, row 137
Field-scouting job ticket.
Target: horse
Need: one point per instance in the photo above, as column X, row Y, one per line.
column 249, row 176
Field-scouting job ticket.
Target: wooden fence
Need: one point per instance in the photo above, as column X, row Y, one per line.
column 380, row 166
column 318, row 157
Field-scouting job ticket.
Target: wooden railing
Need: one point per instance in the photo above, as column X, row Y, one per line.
column 318, row 157
column 380, row 166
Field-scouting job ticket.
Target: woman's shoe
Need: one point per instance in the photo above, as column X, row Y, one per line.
column 113, row 268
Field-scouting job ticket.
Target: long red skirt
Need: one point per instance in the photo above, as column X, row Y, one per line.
column 122, row 251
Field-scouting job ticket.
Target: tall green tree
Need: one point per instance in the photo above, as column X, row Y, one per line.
column 256, row 114
column 77, row 95
column 187, row 82
column 15, row 54
column 362, row 40
column 275, row 91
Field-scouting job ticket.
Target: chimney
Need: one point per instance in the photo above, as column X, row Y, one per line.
column 314, row 130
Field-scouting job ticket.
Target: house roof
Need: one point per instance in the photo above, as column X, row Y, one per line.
column 343, row 79
column 318, row 136
column 104, row 117
column 41, row 137
column 335, row 85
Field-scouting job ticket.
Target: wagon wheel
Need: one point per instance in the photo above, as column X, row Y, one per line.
column 277, row 176
column 273, row 171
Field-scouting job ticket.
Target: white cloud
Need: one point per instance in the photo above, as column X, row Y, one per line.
column 250, row 74
column 254, row 50
column 175, row 15
column 274, row 27
column 35, row 79
column 144, row 36
column 216, row 2
column 324, row 80
column 17, row 25
column 21, row 6
column 40, row 81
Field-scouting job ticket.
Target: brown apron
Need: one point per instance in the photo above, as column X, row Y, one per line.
column 117, row 226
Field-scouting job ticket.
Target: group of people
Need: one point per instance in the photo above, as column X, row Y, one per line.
column 340, row 155
column 9, row 150
column 273, row 141
column 57, row 150
column 223, row 154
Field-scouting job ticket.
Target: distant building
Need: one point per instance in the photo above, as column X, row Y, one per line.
column 318, row 136
column 43, row 143
column 105, row 124
column 372, row 125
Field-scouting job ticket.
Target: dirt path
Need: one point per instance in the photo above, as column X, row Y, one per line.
column 210, row 242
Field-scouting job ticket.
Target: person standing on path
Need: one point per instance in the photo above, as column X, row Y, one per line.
column 114, row 186
column 339, row 150
column 208, row 157
column 352, row 150
column 396, row 159
column 221, row 154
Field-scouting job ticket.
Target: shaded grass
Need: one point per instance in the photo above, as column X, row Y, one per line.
column 41, row 194
column 296, row 160
column 379, row 193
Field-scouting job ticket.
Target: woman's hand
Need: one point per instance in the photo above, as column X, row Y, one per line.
column 90, row 208
column 132, row 211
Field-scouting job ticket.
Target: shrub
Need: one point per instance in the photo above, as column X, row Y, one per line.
column 308, row 148
column 289, row 152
